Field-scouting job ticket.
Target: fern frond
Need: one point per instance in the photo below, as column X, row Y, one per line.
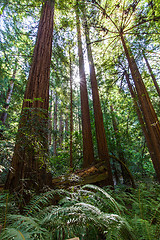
column 116, row 227
column 83, row 215
column 105, row 195
column 7, row 205
column 40, row 201
column 24, row 226
column 13, row 233
column 143, row 229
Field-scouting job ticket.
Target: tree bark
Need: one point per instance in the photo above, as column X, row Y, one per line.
column 141, row 120
column 150, row 117
column 95, row 174
column 152, row 74
column 28, row 167
column 99, row 125
column 55, row 125
column 50, row 119
column 129, row 173
column 88, row 153
column 71, row 113
column 61, row 128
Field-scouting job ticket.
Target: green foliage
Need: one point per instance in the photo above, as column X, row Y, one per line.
column 89, row 212
column 60, row 162
column 142, row 209
column 83, row 212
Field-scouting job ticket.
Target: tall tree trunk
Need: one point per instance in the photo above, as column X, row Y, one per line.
column 79, row 118
column 88, row 153
column 50, row 119
column 152, row 74
column 28, row 168
column 66, row 124
column 140, row 118
column 55, row 126
column 61, row 128
column 150, row 117
column 126, row 177
column 9, row 94
column 71, row 113
column 99, row 125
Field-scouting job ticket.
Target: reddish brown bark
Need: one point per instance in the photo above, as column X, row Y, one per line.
column 28, row 168
column 152, row 74
column 140, row 118
column 66, row 124
column 50, row 119
column 99, row 125
column 61, row 129
column 55, row 125
column 150, row 117
column 88, row 153
column 71, row 113
column 79, row 117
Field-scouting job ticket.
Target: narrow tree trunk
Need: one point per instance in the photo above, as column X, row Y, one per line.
column 152, row 74
column 61, row 128
column 55, row 126
column 88, row 153
column 79, row 118
column 50, row 119
column 150, row 117
column 66, row 124
column 141, row 120
column 28, row 168
column 9, row 94
column 71, row 113
column 99, row 125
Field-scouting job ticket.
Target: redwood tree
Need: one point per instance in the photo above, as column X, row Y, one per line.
column 152, row 74
column 149, row 115
column 71, row 110
column 99, row 125
column 55, row 125
column 28, row 167
column 120, row 17
column 88, row 152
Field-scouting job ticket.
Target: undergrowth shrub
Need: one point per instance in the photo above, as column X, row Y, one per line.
column 89, row 213
column 141, row 209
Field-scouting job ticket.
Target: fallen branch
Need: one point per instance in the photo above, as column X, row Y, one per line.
column 96, row 174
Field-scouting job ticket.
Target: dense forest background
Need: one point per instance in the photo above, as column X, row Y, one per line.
column 79, row 91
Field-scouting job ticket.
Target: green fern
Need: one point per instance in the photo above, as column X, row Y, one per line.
column 142, row 209
column 89, row 212
column 13, row 233
column 38, row 202
column 7, row 205
column 78, row 216
column 104, row 197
